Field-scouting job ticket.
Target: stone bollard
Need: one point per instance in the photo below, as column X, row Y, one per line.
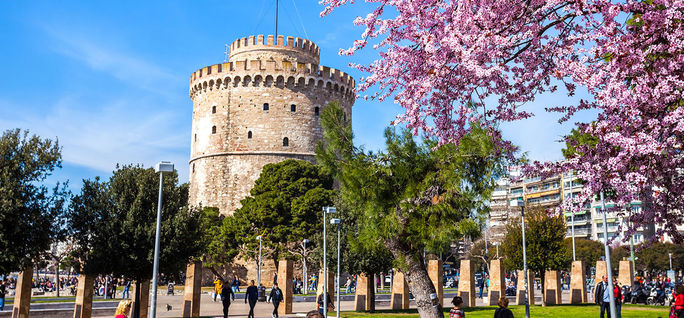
column 578, row 288
column 144, row 298
column 497, row 284
column 331, row 285
column 466, row 283
column 363, row 293
column 400, row 292
column 600, row 272
column 193, row 289
column 552, row 288
column 626, row 274
column 436, row 273
column 520, row 297
column 285, row 273
column 22, row 298
column 83, row 307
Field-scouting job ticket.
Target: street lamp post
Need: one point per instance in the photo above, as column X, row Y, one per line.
column 670, row 254
column 337, row 290
column 609, row 270
column 260, row 238
column 520, row 203
column 326, row 210
column 161, row 167
column 306, row 290
column 572, row 229
column 497, row 249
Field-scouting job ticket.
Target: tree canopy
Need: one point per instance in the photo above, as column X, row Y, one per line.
column 31, row 215
column 413, row 197
column 284, row 206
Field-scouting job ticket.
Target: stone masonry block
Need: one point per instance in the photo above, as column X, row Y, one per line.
column 22, row 298
column 193, row 291
column 497, row 284
column 520, row 297
column 285, row 276
column 578, row 289
column 466, row 283
column 83, row 307
column 400, row 292
column 626, row 274
column 436, row 272
column 552, row 288
column 364, row 284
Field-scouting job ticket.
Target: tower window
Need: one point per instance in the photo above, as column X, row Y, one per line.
column 265, row 106
column 317, row 110
column 293, row 108
column 195, row 137
column 193, row 168
column 213, row 130
column 249, row 135
column 213, row 109
column 286, row 142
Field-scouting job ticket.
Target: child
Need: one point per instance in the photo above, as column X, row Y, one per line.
column 457, row 312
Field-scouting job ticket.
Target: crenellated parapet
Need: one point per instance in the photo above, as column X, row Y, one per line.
column 271, row 73
column 289, row 47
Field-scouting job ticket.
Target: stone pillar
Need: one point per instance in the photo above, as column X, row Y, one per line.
column 400, row 292
column 382, row 280
column 362, row 299
column 144, row 298
column 84, row 296
column 626, row 273
column 600, row 272
column 285, row 275
column 497, row 284
column 193, row 291
column 331, row 285
column 578, row 288
column 521, row 287
column 22, row 298
column 436, row 272
column 552, row 288
column 466, row 283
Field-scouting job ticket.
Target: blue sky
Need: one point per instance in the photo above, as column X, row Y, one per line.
column 110, row 79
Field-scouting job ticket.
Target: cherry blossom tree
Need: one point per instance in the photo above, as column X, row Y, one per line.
column 442, row 59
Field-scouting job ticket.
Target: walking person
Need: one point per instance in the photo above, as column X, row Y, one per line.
column 275, row 297
column 678, row 299
column 348, row 285
column 503, row 311
column 218, row 287
column 3, row 291
column 602, row 296
column 618, row 298
column 481, row 285
column 251, row 295
column 236, row 283
column 320, row 304
column 457, row 312
column 227, row 295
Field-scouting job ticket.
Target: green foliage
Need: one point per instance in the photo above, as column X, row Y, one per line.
column 586, row 250
column 655, row 256
column 413, row 196
column 284, row 206
column 480, row 256
column 544, row 236
column 31, row 215
column 576, row 139
column 113, row 224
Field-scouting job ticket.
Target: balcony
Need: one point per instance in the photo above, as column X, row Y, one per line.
column 578, row 232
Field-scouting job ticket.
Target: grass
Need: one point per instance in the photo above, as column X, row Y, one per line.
column 560, row 311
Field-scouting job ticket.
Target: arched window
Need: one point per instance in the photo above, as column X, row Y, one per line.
column 249, row 135
column 286, row 142
column 317, row 110
column 213, row 109
column 265, row 106
column 213, row 130
column 293, row 108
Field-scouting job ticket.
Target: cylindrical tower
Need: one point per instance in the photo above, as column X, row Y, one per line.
column 263, row 106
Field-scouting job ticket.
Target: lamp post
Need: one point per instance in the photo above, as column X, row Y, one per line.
column 326, row 210
column 161, row 167
column 337, row 289
column 609, row 270
column 631, row 242
column 260, row 238
column 520, row 203
column 497, row 249
column 306, row 290
column 670, row 254
column 572, row 229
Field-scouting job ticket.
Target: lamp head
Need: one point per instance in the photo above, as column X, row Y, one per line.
column 335, row 221
column 163, row 166
column 517, row 203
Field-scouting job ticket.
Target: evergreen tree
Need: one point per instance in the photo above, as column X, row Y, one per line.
column 412, row 197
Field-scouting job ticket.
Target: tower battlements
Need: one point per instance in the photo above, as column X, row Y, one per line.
column 250, row 47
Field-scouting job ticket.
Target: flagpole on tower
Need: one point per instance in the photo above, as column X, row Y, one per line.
column 276, row 24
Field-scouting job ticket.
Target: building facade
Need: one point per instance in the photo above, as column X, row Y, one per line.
column 262, row 106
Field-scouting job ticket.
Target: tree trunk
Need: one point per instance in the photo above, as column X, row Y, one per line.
column 371, row 293
column 543, row 292
column 418, row 279
column 136, row 301
column 213, row 270
column 57, row 277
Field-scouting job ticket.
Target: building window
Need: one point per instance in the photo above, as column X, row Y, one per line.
column 213, row 130
column 317, row 110
column 195, row 137
column 286, row 142
column 213, row 109
column 293, row 108
column 265, row 106
column 193, row 168
column 249, row 135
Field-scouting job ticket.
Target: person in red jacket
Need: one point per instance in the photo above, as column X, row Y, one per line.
column 678, row 298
